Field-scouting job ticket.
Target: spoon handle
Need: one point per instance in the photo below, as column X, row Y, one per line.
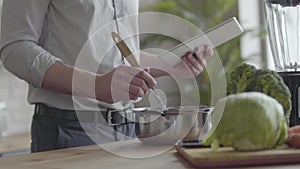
column 128, row 55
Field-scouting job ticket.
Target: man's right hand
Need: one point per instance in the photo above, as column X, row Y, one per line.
column 123, row 83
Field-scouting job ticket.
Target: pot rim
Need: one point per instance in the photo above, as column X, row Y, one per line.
column 177, row 110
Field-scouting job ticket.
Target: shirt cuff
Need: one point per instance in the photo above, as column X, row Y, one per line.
column 39, row 66
column 28, row 61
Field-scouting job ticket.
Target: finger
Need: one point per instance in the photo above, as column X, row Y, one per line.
column 193, row 70
column 138, row 72
column 191, row 67
column 295, row 129
column 150, row 81
column 140, row 83
column 136, row 91
column 294, row 140
column 199, row 56
column 147, row 69
column 195, row 63
column 186, row 62
column 122, row 93
column 209, row 52
column 133, row 97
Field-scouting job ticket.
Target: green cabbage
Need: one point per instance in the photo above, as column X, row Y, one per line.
column 250, row 121
column 247, row 78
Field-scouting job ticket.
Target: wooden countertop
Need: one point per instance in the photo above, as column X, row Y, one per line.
column 93, row 157
column 15, row 143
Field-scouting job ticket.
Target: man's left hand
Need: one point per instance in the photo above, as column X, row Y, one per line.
column 193, row 63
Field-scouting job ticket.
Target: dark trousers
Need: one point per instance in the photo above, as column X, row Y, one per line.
column 50, row 133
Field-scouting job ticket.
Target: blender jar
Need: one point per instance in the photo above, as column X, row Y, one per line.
column 283, row 19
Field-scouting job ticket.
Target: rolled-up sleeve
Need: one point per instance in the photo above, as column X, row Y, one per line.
column 21, row 27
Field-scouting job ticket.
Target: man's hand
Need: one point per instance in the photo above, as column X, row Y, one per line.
column 294, row 136
column 193, row 63
column 123, row 83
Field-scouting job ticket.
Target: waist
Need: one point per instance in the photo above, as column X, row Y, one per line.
column 111, row 117
column 67, row 102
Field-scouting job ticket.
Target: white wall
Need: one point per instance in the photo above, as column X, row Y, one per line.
column 18, row 112
column 13, row 92
column 249, row 15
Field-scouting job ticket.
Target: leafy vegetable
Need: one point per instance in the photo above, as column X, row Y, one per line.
column 246, row 78
column 250, row 121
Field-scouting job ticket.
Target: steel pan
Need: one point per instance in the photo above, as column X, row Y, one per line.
column 171, row 125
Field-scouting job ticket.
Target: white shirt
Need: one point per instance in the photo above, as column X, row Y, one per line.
column 37, row 33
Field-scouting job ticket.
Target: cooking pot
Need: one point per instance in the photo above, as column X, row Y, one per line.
column 172, row 125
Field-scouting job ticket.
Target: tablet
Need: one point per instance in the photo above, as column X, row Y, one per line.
column 213, row 37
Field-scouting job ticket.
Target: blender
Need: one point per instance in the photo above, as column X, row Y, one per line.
column 283, row 22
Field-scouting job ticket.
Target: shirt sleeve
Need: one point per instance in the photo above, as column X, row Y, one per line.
column 21, row 27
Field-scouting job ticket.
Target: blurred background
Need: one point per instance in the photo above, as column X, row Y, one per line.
column 251, row 47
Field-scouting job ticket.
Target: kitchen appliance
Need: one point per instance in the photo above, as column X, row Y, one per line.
column 283, row 21
column 175, row 124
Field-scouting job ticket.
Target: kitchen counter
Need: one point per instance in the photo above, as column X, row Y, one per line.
column 94, row 157
column 15, row 144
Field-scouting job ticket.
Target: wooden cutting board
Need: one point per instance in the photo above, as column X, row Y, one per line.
column 227, row 157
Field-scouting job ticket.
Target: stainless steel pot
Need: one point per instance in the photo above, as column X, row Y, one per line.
column 172, row 125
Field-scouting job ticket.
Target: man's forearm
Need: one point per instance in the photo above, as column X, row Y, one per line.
column 65, row 79
column 58, row 78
